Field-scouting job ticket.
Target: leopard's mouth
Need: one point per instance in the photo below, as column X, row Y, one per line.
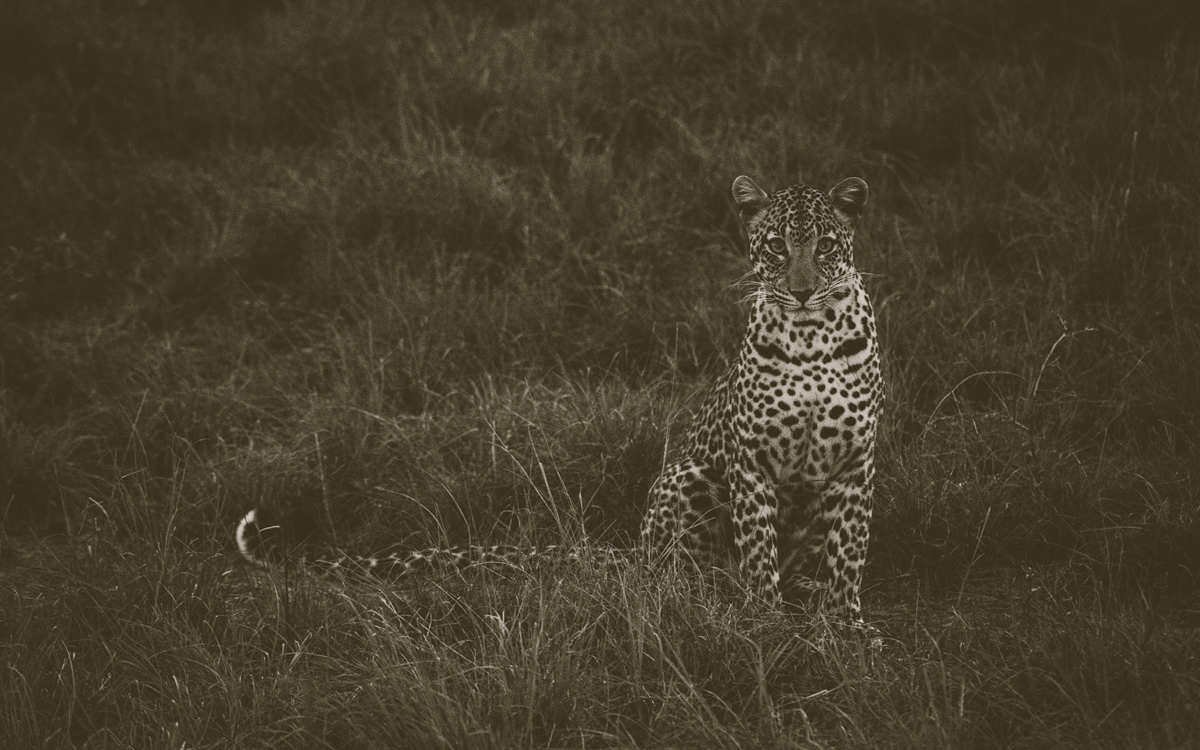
column 818, row 300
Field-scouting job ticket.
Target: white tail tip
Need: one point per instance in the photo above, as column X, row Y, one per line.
column 248, row 537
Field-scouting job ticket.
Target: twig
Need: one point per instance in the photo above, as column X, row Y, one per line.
column 325, row 490
column 1066, row 334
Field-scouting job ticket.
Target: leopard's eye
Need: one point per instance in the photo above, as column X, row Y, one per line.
column 777, row 245
column 824, row 245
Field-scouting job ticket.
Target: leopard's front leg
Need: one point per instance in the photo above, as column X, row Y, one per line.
column 754, row 514
column 846, row 507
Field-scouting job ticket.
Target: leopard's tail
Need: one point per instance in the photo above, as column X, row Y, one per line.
column 260, row 545
column 254, row 545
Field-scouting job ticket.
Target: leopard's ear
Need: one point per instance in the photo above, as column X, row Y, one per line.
column 848, row 198
column 750, row 198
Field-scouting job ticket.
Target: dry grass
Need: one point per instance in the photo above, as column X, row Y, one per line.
column 457, row 274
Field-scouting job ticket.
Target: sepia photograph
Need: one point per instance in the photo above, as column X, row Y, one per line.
column 548, row 374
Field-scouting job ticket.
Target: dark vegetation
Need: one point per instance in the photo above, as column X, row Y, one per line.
column 412, row 273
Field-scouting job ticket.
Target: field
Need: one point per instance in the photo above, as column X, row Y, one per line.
column 413, row 273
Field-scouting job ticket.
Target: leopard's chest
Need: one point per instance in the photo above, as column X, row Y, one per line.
column 808, row 408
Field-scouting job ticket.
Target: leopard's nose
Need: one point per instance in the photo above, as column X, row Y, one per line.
column 802, row 295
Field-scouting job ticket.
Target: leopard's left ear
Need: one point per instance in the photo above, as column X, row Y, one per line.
column 848, row 197
column 751, row 200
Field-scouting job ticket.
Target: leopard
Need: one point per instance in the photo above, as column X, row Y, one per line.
column 775, row 475
column 777, row 468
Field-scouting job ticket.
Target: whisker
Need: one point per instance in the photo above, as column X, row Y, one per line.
column 756, row 294
column 746, row 279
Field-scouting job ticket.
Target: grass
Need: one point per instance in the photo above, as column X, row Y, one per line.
column 413, row 273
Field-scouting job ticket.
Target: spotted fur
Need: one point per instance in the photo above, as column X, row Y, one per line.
column 778, row 465
column 777, row 468
column 259, row 544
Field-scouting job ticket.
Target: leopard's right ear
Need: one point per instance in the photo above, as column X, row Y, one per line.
column 751, row 200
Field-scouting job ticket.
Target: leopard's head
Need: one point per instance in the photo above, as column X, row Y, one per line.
column 802, row 240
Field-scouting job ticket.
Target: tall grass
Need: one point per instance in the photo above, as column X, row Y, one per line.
column 414, row 273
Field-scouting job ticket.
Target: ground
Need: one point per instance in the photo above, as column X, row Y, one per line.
column 425, row 273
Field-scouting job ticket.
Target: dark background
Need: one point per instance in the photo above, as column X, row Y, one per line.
column 423, row 273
